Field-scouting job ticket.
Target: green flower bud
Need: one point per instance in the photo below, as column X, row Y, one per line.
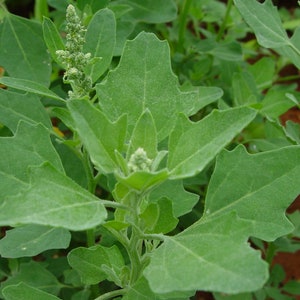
column 139, row 161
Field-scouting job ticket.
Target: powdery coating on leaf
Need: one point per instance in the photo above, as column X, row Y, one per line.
column 53, row 199
column 265, row 185
column 144, row 80
column 193, row 145
column 193, row 261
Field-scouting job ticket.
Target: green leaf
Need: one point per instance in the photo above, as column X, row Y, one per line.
column 144, row 136
column 141, row 290
column 23, row 53
column 193, row 145
column 29, row 86
column 15, row 107
column 142, row 81
column 31, row 240
column 142, row 180
column 265, row 21
column 263, row 72
column 211, row 255
column 292, row 130
column 22, row 291
column 152, row 11
column 30, row 146
column 55, row 200
column 90, row 262
column 292, row 51
column 158, row 217
column 100, row 137
column 100, row 41
column 275, row 103
column 182, row 201
column 244, row 89
column 265, row 185
column 35, row 275
column 94, row 4
column 52, row 38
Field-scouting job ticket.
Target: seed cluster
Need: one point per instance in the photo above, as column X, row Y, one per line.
column 73, row 58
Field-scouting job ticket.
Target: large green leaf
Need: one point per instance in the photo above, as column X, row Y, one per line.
column 141, row 290
column 264, row 19
column 144, row 80
column 193, row 145
column 93, row 263
column 100, row 41
column 22, row 291
column 258, row 187
column 152, row 11
column 31, row 240
column 52, row 199
column 36, row 275
column 23, row 52
column 29, row 86
column 30, row 146
column 15, row 107
column 99, row 135
column 211, row 255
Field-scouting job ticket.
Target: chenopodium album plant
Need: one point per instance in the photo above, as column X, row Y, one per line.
column 131, row 133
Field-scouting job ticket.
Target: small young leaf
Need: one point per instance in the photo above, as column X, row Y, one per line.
column 99, row 135
column 27, row 107
column 158, row 217
column 192, row 259
column 144, row 136
column 52, row 38
column 23, row 53
column 31, row 240
column 142, row 180
column 89, row 262
column 264, row 19
column 266, row 183
column 193, row 145
column 182, row 201
column 29, row 86
column 53, row 199
column 100, row 41
column 22, row 291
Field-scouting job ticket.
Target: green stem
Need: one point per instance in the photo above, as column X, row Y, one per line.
column 133, row 252
column 182, row 24
column 112, row 294
column 270, row 253
column 90, row 238
column 41, row 9
column 114, row 204
column 225, row 20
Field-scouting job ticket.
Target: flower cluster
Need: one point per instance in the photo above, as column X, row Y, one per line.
column 139, row 161
column 73, row 57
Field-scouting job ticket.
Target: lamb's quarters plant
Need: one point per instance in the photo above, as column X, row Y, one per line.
column 97, row 167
